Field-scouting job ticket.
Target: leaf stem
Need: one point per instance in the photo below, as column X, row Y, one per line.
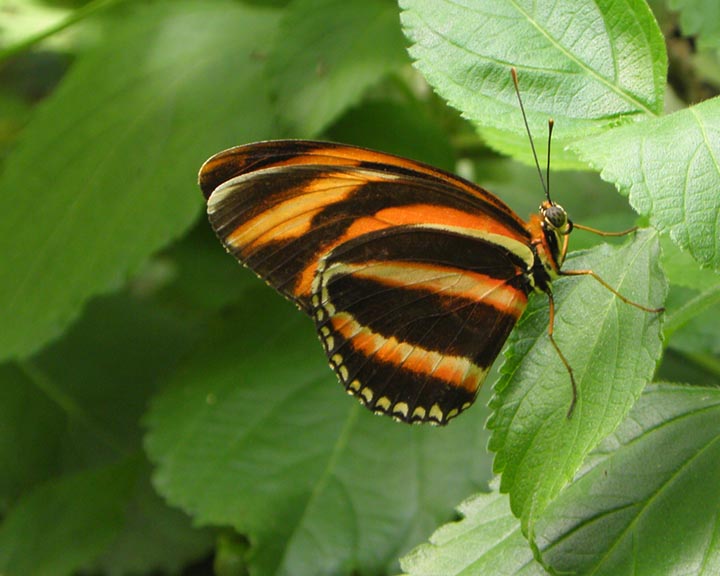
column 690, row 310
column 76, row 16
column 68, row 405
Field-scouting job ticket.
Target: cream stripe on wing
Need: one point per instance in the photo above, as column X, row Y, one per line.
column 298, row 210
column 408, row 357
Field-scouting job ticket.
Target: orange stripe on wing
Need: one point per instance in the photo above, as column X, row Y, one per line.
column 320, row 158
column 357, row 228
column 470, row 376
column 429, row 214
column 442, row 280
column 457, row 371
column 446, row 216
column 292, row 217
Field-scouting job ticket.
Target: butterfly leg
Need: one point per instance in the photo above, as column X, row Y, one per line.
column 551, row 326
column 603, row 233
column 594, row 231
column 623, row 298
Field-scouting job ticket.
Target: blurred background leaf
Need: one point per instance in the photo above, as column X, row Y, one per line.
column 103, row 174
column 347, row 47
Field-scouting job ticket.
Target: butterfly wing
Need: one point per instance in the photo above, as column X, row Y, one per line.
column 257, row 156
column 412, row 317
column 280, row 206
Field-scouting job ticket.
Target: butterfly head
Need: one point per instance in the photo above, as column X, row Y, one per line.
column 556, row 226
column 555, row 218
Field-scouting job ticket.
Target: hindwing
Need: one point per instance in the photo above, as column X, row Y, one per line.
column 412, row 317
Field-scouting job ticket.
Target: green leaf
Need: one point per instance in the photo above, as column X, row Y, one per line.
column 256, row 433
column 104, row 370
column 682, row 270
column 327, row 54
column 105, row 174
column 692, row 320
column 517, row 146
column 670, row 168
column 230, row 554
column 31, row 428
column 79, row 402
column 654, row 477
column 612, row 348
column 60, row 526
column 647, row 503
column 22, row 20
column 695, row 371
column 699, row 18
column 585, row 63
column 692, row 307
column 154, row 537
column 194, row 274
column 487, row 540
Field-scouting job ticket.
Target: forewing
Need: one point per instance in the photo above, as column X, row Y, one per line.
column 279, row 207
column 240, row 160
column 412, row 317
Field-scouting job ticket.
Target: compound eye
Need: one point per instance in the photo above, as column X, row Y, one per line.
column 556, row 216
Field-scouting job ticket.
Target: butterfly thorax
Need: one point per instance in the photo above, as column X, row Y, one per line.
column 549, row 231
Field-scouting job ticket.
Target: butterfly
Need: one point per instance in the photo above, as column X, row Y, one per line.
column 414, row 277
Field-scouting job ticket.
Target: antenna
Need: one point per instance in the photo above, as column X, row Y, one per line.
column 527, row 128
column 551, row 124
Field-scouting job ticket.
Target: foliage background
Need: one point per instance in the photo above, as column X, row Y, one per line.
column 161, row 411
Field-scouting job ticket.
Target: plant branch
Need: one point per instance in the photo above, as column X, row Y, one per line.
column 76, row 16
